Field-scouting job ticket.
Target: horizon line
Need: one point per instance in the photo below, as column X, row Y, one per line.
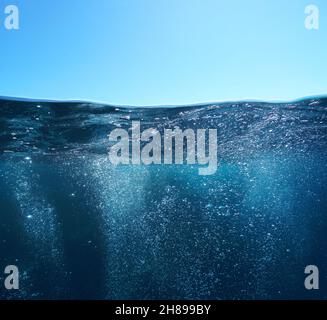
column 227, row 101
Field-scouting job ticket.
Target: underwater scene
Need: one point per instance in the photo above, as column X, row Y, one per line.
column 79, row 227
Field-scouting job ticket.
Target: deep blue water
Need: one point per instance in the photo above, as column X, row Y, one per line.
column 78, row 227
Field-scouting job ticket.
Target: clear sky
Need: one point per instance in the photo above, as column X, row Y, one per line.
column 155, row 52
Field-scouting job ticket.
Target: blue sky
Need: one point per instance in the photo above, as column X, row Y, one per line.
column 157, row 52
